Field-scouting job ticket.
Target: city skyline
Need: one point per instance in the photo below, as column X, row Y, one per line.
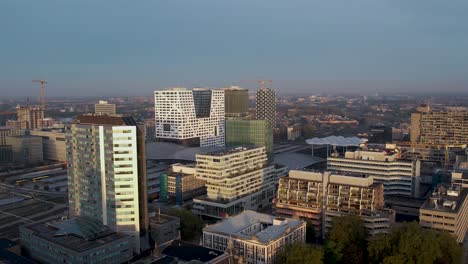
column 306, row 46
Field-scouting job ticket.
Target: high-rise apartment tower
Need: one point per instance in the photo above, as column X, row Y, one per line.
column 266, row 106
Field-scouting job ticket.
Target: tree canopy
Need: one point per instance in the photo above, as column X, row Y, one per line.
column 190, row 224
column 300, row 253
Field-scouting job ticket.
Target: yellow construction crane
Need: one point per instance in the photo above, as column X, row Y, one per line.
column 42, row 92
column 261, row 82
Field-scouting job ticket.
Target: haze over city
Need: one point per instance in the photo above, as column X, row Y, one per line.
column 104, row 48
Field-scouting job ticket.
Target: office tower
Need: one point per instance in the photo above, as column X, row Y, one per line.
column 104, row 108
column 447, row 209
column 27, row 118
column 190, row 117
column 53, row 144
column 107, row 174
column 26, row 150
column 236, row 102
column 236, row 179
column 254, row 237
column 320, row 197
column 399, row 177
column 266, row 106
column 439, row 128
column 241, row 132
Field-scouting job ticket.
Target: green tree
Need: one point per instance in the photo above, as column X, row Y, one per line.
column 300, row 253
column 190, row 224
column 410, row 243
column 308, row 131
column 346, row 241
column 311, row 235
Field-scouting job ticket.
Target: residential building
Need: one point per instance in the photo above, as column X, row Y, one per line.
column 107, row 174
column 399, row 177
column 447, row 210
column 8, row 132
column 439, row 128
column 27, row 118
column 241, row 132
column 190, row 117
column 322, row 196
column 252, row 237
column 164, row 228
column 77, row 240
column 182, row 184
column 104, row 108
column 26, row 150
column 53, row 143
column 237, row 179
column 236, row 102
column 266, row 106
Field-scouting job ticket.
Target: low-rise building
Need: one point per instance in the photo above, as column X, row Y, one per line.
column 321, row 196
column 26, row 150
column 77, row 240
column 182, row 185
column 254, row 237
column 53, row 144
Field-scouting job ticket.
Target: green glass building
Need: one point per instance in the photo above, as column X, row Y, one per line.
column 249, row 132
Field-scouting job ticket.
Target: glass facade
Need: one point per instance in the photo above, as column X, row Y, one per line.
column 249, row 132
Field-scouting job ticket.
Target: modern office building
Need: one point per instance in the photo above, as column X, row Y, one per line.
column 26, row 150
column 8, row 132
column 107, row 174
column 236, row 102
column 190, row 117
column 77, row 240
column 266, row 106
column 399, row 177
column 53, row 143
column 322, row 196
column 27, row 118
column 242, row 132
column 104, row 108
column 182, row 184
column 237, row 179
column 447, row 210
column 439, row 128
column 253, row 237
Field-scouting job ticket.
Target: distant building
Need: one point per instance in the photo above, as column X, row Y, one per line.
column 190, row 117
column 293, row 132
column 241, row 132
column 266, row 106
column 109, row 152
column 6, row 154
column 320, row 197
column 253, row 237
column 164, row 228
column 8, row 132
column 104, row 108
column 439, row 128
column 182, row 185
column 399, row 177
column 78, row 240
column 26, row 150
column 53, row 144
column 460, row 179
column 447, row 210
column 237, row 179
column 182, row 252
column 27, row 118
column 236, row 102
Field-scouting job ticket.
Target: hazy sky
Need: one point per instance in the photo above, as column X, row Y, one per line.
column 132, row 47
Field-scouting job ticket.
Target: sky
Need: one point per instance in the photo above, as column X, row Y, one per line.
column 133, row 47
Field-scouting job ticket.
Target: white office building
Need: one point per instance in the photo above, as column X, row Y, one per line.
column 190, row 117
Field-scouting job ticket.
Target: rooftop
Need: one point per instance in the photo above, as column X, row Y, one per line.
column 187, row 252
column 446, row 201
column 78, row 234
column 172, row 151
column 106, row 120
column 229, row 151
column 265, row 227
column 337, row 141
column 156, row 218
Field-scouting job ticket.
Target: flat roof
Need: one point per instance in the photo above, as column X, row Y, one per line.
column 446, row 203
column 187, row 251
column 229, row 151
column 234, row 226
column 172, row 151
column 337, row 141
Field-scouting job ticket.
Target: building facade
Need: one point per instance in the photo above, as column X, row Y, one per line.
column 399, row 177
column 8, row 132
column 322, row 196
column 236, row 179
column 190, row 117
column 236, row 102
column 182, row 184
column 53, row 144
column 266, row 106
column 107, row 174
column 241, row 132
column 27, row 118
column 104, row 108
column 439, row 128
column 26, row 150
column 252, row 237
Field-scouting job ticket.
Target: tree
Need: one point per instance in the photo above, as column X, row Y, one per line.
column 300, row 253
column 410, row 243
column 308, row 131
column 190, row 224
column 346, row 241
column 311, row 235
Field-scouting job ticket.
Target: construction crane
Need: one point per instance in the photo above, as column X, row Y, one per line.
column 261, row 82
column 42, row 92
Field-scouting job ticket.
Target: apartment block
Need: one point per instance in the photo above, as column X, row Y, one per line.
column 439, row 128
column 266, row 106
column 241, row 132
column 104, row 108
column 252, row 237
column 107, row 174
column 322, row 196
column 190, row 117
column 27, row 118
column 53, row 144
column 399, row 177
column 237, row 179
